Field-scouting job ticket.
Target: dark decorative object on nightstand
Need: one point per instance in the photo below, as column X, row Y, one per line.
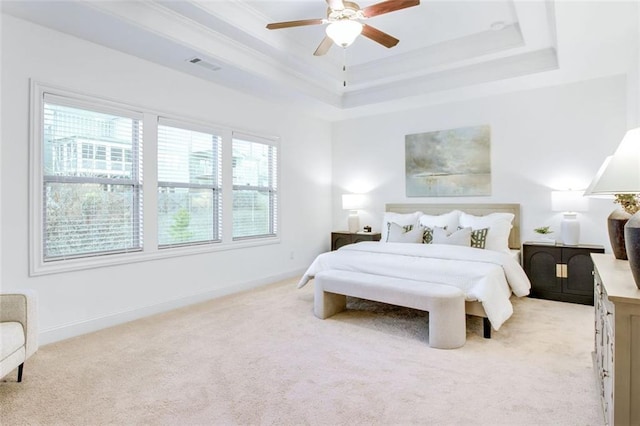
column 339, row 239
column 559, row 272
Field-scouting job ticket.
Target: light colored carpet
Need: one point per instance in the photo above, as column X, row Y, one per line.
column 261, row 357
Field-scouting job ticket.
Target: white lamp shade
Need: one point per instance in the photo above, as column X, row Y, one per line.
column 620, row 173
column 596, row 179
column 352, row 201
column 569, row 201
column 344, row 32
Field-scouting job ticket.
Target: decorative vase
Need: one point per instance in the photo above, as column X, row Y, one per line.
column 616, row 223
column 632, row 244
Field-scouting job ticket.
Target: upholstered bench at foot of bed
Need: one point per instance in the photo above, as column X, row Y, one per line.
column 445, row 304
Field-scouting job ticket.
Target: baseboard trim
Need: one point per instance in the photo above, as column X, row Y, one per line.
column 67, row 331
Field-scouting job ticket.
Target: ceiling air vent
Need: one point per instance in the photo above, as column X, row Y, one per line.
column 201, row 62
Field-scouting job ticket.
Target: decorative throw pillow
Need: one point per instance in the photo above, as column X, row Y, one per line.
column 404, row 233
column 427, row 235
column 499, row 225
column 479, row 238
column 461, row 237
column 400, row 219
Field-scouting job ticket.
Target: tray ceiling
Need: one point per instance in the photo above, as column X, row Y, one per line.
column 444, row 45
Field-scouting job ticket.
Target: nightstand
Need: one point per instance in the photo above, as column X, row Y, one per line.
column 342, row 238
column 560, row 272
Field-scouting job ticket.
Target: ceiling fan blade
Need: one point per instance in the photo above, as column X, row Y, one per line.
column 378, row 36
column 388, row 6
column 335, row 4
column 324, row 47
column 289, row 24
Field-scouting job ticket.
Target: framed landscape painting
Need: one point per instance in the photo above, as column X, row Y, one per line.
column 449, row 163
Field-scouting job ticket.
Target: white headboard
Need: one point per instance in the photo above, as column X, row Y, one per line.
column 474, row 209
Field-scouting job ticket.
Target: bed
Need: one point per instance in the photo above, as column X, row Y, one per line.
column 488, row 277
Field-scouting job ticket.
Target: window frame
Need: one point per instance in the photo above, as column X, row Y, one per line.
column 218, row 192
column 149, row 224
column 272, row 189
column 136, row 182
column 57, row 96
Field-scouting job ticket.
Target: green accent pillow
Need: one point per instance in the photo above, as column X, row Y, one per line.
column 479, row 237
column 427, row 235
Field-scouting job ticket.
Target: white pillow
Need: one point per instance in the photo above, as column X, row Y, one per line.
column 401, row 234
column 499, row 225
column 449, row 220
column 401, row 219
column 461, row 237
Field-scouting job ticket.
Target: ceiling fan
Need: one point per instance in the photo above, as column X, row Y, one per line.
column 344, row 27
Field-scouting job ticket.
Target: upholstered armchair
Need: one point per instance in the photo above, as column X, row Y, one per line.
column 18, row 330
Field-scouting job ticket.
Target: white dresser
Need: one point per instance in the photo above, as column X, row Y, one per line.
column 617, row 340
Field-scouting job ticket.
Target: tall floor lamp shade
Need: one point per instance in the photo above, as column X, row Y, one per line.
column 620, row 174
column 569, row 203
column 353, row 203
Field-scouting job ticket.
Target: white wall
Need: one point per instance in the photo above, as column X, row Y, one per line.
column 632, row 56
column 72, row 303
column 543, row 139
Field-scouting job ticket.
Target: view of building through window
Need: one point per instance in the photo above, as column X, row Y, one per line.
column 254, row 188
column 91, row 182
column 189, row 196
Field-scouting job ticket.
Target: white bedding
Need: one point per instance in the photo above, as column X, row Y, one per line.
column 483, row 275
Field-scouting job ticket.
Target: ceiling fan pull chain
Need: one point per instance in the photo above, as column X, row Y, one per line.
column 344, row 67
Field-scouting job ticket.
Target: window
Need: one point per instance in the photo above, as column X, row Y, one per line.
column 116, row 159
column 87, row 210
column 88, row 180
column 101, row 158
column 87, row 155
column 189, row 195
column 255, row 187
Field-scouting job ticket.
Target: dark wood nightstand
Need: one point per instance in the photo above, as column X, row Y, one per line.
column 560, row 272
column 342, row 238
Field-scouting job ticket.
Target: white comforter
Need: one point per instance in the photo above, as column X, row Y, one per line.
column 483, row 275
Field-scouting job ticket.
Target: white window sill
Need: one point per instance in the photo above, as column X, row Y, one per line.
column 62, row 266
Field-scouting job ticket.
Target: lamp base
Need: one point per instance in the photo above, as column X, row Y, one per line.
column 354, row 222
column 570, row 229
column 616, row 223
column 632, row 244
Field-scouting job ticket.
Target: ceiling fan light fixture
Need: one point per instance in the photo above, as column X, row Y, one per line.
column 344, row 32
